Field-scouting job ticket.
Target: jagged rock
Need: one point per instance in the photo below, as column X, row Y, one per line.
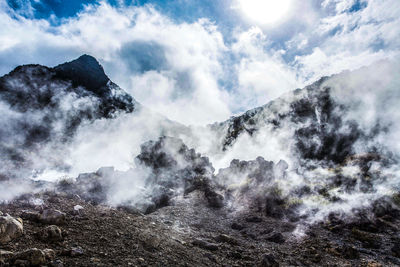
column 33, row 256
column 173, row 166
column 259, row 170
column 51, row 233
column 268, row 260
column 52, row 216
column 10, row 228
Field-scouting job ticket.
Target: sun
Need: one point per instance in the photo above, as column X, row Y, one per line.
column 264, row 11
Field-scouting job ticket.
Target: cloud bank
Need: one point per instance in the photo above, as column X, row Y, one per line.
column 198, row 72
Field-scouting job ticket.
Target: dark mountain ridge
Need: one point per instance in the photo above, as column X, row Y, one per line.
column 319, row 117
column 46, row 105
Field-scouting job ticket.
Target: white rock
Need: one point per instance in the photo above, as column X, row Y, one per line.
column 10, row 228
column 78, row 207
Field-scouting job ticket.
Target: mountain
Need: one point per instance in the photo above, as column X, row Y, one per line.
column 309, row 179
column 44, row 105
column 325, row 121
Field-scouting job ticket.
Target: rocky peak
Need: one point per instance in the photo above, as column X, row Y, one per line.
column 84, row 71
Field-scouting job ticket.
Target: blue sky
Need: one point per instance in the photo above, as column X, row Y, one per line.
column 202, row 61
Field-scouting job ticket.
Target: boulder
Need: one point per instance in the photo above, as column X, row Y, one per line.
column 78, row 210
column 33, row 256
column 30, row 215
column 10, row 228
column 51, row 233
column 52, row 216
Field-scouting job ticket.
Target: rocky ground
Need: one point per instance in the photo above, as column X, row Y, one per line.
column 62, row 230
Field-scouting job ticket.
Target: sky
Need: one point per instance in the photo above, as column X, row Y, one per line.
column 202, row 61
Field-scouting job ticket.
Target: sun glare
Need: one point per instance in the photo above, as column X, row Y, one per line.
column 264, row 11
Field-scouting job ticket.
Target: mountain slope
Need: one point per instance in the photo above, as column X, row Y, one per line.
column 42, row 105
column 324, row 121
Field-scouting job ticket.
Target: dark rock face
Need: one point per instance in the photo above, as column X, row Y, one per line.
column 88, row 73
column 318, row 121
column 173, row 165
column 44, row 105
column 321, row 138
column 84, row 71
column 254, row 182
column 258, row 170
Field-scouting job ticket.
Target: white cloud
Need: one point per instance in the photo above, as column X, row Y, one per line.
column 184, row 63
column 262, row 75
column 351, row 40
column 191, row 51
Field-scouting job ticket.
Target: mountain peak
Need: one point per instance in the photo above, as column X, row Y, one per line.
column 86, row 71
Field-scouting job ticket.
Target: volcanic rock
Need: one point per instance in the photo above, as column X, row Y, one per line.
column 10, row 228
column 33, row 256
column 51, row 233
column 52, row 216
column 30, row 215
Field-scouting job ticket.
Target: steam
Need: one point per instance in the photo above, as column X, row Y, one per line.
column 328, row 148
